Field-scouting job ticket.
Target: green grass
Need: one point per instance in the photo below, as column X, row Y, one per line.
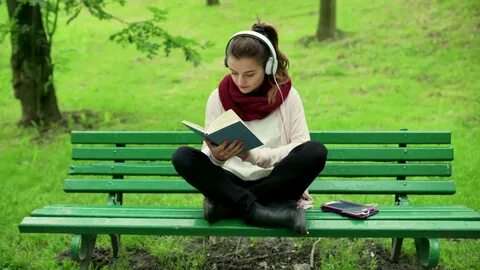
column 400, row 64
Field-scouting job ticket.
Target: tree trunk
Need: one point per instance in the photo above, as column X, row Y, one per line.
column 213, row 2
column 327, row 26
column 32, row 69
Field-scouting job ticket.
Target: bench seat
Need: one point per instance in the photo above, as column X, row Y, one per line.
column 391, row 221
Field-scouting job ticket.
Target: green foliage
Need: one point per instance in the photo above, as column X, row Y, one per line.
column 97, row 7
column 147, row 35
column 50, row 19
column 143, row 33
column 4, row 30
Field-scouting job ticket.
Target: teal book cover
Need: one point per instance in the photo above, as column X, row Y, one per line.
column 236, row 131
column 227, row 127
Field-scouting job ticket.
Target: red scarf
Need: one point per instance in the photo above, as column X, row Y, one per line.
column 253, row 105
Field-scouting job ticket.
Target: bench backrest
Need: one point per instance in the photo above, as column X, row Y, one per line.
column 358, row 162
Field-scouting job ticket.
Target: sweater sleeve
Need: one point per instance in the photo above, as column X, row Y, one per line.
column 213, row 109
column 294, row 130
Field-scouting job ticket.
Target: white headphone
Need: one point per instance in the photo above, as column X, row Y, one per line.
column 272, row 62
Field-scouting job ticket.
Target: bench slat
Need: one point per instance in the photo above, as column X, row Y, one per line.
column 335, row 169
column 383, row 187
column 134, row 137
column 382, row 137
column 199, row 227
column 385, row 213
column 435, row 208
column 330, row 137
column 390, row 154
column 317, row 187
column 334, row 154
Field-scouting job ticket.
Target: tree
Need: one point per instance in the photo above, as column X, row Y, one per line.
column 32, row 69
column 327, row 26
column 213, row 2
column 32, row 26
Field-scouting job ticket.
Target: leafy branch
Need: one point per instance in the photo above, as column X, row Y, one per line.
column 51, row 26
column 144, row 36
column 148, row 36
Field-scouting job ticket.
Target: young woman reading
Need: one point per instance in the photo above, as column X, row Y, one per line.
column 266, row 186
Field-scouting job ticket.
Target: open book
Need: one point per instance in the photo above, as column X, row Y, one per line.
column 227, row 127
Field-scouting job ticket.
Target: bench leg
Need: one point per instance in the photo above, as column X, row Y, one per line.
column 396, row 248
column 115, row 238
column 428, row 252
column 82, row 249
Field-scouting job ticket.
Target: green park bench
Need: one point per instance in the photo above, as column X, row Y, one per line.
column 393, row 163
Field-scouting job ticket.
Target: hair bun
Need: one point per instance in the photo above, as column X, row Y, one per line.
column 266, row 30
column 259, row 28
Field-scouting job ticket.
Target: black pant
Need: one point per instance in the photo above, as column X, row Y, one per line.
column 288, row 180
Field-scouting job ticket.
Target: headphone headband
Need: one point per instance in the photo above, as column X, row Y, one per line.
column 272, row 62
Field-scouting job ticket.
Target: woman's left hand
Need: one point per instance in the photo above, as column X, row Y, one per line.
column 225, row 150
column 244, row 155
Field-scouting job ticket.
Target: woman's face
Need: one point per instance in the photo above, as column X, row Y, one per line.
column 247, row 73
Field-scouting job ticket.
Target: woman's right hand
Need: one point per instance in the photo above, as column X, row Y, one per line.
column 225, row 150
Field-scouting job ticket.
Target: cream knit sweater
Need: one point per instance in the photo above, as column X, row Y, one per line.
column 288, row 120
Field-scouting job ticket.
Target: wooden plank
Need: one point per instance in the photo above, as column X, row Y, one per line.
column 200, row 227
column 390, row 154
column 382, row 137
column 366, row 170
column 327, row 137
column 385, row 212
column 402, row 208
column 134, row 137
column 331, row 169
column 317, row 187
column 122, row 153
column 334, row 154
column 128, row 186
column 437, row 187
column 123, row 169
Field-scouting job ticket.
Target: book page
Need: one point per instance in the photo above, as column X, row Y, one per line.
column 194, row 127
column 225, row 119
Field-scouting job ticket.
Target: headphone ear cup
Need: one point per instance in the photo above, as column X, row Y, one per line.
column 269, row 66
column 274, row 66
column 225, row 62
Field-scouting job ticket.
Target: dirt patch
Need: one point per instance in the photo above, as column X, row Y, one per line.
column 379, row 253
column 243, row 253
column 101, row 257
column 289, row 253
column 83, row 119
column 238, row 253
column 140, row 258
column 77, row 120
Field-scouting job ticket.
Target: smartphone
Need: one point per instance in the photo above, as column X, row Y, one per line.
column 348, row 208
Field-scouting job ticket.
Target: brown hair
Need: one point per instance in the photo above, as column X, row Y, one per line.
column 245, row 46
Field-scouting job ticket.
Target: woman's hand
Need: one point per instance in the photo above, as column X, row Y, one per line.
column 244, row 155
column 226, row 150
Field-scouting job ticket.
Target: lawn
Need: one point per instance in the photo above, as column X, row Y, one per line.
column 398, row 64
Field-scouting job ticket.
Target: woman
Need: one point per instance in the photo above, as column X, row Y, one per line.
column 266, row 186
